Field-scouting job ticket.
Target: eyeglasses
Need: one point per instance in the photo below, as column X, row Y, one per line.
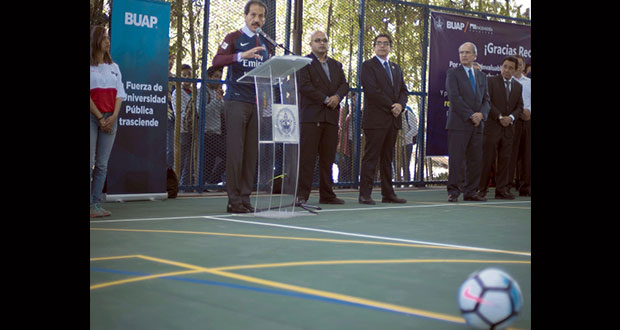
column 383, row 43
column 319, row 40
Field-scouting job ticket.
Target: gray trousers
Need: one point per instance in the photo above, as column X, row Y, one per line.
column 242, row 150
column 464, row 148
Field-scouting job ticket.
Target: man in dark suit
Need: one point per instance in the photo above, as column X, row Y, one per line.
column 469, row 107
column 322, row 85
column 385, row 97
column 506, row 107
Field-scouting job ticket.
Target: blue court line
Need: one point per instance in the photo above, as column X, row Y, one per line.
column 266, row 290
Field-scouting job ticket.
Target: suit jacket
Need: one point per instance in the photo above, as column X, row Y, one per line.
column 314, row 87
column 379, row 94
column 499, row 105
column 463, row 101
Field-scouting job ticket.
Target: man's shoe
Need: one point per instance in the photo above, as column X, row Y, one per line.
column 249, row 207
column 366, row 200
column 393, row 199
column 475, row 198
column 453, row 198
column 334, row 200
column 504, row 195
column 236, row 209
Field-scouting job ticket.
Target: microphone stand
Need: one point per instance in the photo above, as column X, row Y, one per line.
column 273, row 42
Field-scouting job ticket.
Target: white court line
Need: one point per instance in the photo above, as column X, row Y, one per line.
column 422, row 206
column 367, row 236
column 223, row 218
column 331, row 210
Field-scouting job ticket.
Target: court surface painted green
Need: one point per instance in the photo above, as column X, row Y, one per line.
column 185, row 263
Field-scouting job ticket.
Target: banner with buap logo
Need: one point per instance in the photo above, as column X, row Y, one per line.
column 494, row 41
column 139, row 45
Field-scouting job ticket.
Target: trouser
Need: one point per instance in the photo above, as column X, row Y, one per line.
column 464, row 148
column 242, row 150
column 100, row 149
column 520, row 160
column 496, row 147
column 321, row 139
column 378, row 149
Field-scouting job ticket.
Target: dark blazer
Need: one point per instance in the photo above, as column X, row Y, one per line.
column 379, row 94
column 463, row 101
column 499, row 105
column 314, row 87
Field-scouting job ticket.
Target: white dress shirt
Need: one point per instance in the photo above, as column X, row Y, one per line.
column 527, row 91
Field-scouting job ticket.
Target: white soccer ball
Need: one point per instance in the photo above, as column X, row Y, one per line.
column 490, row 299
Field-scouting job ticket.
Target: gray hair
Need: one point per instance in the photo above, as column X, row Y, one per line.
column 472, row 45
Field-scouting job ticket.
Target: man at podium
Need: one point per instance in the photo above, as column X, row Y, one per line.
column 242, row 51
column 322, row 85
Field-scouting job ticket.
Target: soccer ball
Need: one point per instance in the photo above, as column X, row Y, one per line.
column 490, row 299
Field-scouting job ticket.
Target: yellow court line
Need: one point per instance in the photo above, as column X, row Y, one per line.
column 220, row 271
column 143, row 278
column 320, row 293
column 309, row 239
column 366, row 262
column 115, row 258
column 341, row 297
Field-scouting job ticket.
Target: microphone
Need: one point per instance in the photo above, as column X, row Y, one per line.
column 273, row 42
column 262, row 33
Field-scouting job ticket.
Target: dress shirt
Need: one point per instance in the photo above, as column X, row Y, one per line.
column 325, row 67
column 472, row 72
column 509, row 89
column 527, row 91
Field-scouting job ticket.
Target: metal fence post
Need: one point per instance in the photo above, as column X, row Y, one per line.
column 422, row 122
column 358, row 105
column 203, row 97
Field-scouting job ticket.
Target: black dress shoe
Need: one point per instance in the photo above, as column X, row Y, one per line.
column 475, row 198
column 249, row 207
column 366, row 200
column 393, row 199
column 236, row 209
column 453, row 198
column 504, row 195
column 334, row 200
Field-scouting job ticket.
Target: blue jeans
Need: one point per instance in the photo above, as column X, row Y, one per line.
column 100, row 148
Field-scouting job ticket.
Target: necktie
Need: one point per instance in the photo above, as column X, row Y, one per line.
column 389, row 73
column 471, row 80
column 507, row 84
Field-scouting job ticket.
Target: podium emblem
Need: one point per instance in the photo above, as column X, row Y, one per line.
column 285, row 123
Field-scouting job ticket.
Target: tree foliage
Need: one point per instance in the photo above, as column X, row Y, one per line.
column 339, row 19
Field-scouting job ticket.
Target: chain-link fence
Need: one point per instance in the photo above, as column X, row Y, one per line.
column 197, row 150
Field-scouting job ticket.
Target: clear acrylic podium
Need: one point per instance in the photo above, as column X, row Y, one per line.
column 278, row 134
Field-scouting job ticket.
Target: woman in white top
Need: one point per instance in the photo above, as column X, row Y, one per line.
column 106, row 96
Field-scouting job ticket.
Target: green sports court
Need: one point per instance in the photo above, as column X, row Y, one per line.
column 185, row 263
